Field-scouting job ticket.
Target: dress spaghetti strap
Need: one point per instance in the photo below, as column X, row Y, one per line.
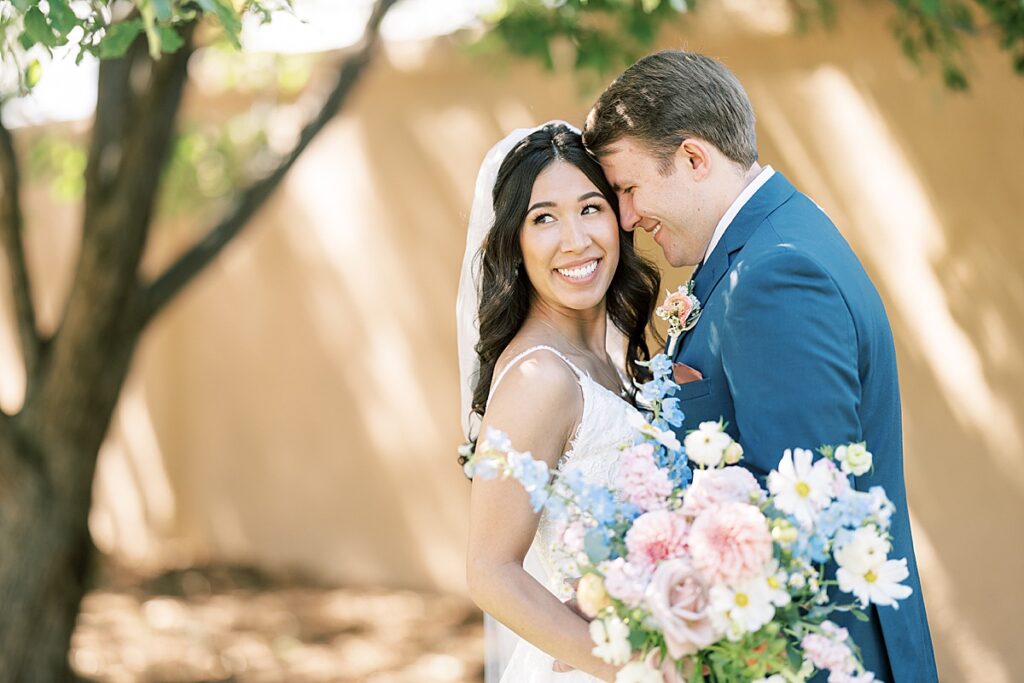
column 579, row 373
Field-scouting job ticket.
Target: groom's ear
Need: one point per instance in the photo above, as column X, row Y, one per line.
column 694, row 157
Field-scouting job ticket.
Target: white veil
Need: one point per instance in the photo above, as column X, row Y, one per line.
column 481, row 219
column 499, row 641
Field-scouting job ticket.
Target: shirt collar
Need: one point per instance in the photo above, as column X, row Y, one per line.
column 737, row 204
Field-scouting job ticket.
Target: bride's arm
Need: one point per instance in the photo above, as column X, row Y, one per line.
column 538, row 405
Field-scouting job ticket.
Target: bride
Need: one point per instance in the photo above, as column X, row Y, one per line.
column 547, row 269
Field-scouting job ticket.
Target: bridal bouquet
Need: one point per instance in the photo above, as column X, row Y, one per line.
column 691, row 571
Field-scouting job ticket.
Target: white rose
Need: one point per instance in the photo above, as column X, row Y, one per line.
column 706, row 446
column 854, row 459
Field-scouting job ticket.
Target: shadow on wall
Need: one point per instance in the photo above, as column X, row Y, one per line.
column 298, row 406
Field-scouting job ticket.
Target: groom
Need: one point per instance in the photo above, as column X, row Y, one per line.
column 793, row 347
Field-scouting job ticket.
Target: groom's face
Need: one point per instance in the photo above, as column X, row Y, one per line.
column 669, row 207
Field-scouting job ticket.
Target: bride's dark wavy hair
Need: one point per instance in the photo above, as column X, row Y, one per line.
column 505, row 288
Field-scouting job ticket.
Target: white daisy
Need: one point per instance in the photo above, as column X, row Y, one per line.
column 880, row 585
column 800, row 487
column 744, row 608
column 866, row 571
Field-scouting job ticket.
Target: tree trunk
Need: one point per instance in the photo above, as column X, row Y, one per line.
column 48, row 451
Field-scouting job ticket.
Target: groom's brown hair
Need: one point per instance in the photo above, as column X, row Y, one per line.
column 668, row 97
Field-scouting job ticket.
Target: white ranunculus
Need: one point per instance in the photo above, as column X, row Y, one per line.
column 854, row 459
column 612, row 638
column 707, row 444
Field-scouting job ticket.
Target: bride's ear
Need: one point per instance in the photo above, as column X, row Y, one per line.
column 694, row 157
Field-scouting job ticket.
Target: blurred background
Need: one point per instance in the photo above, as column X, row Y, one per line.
column 274, row 490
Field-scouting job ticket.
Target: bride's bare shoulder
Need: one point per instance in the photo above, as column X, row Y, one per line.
column 537, row 400
column 533, row 368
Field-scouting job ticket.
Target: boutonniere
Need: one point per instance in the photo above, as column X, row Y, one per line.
column 681, row 309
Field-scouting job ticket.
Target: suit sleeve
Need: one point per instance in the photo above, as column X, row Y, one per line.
column 789, row 348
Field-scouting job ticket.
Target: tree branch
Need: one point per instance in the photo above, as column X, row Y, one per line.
column 11, row 224
column 173, row 280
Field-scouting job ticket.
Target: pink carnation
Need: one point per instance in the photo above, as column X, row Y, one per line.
column 730, row 542
column 656, row 536
column 624, row 581
column 828, row 650
column 678, row 600
column 640, row 481
column 716, row 487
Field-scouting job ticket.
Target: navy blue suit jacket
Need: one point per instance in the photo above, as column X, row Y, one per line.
column 796, row 351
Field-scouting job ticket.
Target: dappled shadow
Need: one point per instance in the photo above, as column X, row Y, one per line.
column 239, row 624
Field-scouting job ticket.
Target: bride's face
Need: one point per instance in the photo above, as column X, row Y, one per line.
column 569, row 239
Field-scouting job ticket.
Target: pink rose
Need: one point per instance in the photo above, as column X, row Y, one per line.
column 678, row 303
column 715, row 487
column 640, row 481
column 678, row 599
column 656, row 536
column 624, row 581
column 730, row 542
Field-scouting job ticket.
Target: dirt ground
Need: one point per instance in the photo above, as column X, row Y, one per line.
column 240, row 625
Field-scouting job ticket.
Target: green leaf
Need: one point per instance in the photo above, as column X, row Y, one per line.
column 26, row 41
column 33, row 72
column 227, row 16
column 954, row 78
column 38, row 28
column 25, row 5
column 170, row 40
column 860, row 615
column 61, row 17
column 119, row 38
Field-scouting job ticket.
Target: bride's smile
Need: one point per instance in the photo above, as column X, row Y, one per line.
column 569, row 239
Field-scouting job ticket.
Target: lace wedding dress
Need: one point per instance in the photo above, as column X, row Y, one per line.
column 593, row 451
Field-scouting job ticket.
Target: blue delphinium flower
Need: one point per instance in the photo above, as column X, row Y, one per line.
column 556, row 507
column 661, row 366
column 533, row 475
column 680, row 472
column 809, row 546
column 657, row 389
column 573, row 480
column 671, row 413
column 599, row 502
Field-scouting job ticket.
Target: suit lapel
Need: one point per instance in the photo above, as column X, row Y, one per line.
column 768, row 198
column 707, row 276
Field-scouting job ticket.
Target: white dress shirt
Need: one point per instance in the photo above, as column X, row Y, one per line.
column 748, row 192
